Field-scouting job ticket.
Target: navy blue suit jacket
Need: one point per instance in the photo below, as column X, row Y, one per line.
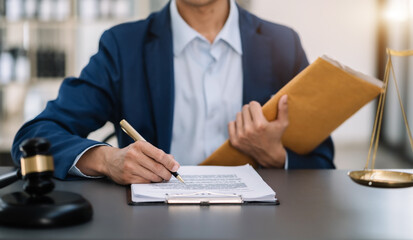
column 131, row 77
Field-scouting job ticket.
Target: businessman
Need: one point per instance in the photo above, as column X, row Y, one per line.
column 187, row 78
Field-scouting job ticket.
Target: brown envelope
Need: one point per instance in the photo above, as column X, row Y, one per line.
column 320, row 99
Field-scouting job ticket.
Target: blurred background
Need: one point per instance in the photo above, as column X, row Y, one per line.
column 42, row 41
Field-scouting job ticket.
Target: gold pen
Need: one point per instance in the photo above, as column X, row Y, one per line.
column 128, row 129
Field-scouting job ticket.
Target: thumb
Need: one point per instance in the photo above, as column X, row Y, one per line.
column 283, row 110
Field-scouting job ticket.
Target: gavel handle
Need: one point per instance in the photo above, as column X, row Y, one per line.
column 9, row 178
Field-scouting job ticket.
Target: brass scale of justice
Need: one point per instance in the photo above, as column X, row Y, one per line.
column 384, row 178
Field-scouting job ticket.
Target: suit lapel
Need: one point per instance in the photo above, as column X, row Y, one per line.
column 160, row 75
column 256, row 60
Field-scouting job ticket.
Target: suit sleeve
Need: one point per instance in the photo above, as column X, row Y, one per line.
column 323, row 155
column 83, row 105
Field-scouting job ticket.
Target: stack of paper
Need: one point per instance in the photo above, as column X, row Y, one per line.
column 208, row 182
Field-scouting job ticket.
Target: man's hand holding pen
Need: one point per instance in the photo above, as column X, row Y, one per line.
column 140, row 162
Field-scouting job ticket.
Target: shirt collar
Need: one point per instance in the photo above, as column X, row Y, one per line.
column 183, row 34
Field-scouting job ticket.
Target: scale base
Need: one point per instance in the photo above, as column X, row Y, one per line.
column 56, row 209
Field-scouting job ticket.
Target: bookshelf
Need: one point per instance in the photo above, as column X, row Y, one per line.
column 43, row 41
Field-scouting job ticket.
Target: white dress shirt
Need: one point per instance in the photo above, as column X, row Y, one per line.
column 208, row 86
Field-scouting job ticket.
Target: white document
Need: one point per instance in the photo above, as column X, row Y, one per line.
column 208, row 182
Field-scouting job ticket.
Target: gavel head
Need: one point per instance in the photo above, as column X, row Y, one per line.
column 36, row 166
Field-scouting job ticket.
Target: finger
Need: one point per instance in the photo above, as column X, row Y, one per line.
column 138, row 179
column 257, row 115
column 239, row 127
column 147, row 174
column 246, row 116
column 131, row 179
column 231, row 129
column 155, row 167
column 283, row 109
column 160, row 156
column 134, row 165
column 232, row 133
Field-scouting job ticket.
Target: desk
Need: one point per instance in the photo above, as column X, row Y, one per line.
column 315, row 204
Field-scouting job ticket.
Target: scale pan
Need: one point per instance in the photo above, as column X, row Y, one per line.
column 382, row 178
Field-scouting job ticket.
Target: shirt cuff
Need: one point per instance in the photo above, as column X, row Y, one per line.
column 75, row 171
column 286, row 161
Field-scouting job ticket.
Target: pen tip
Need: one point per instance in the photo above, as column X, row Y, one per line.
column 180, row 179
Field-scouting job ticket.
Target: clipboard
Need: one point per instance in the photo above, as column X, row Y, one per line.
column 199, row 198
